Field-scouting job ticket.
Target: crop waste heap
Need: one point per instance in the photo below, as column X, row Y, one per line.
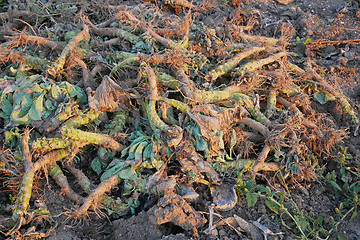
column 154, row 104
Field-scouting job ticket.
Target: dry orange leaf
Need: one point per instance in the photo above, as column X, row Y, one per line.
column 285, row 2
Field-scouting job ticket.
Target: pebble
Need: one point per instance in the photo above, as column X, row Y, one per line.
column 319, row 191
column 214, row 232
column 222, row 233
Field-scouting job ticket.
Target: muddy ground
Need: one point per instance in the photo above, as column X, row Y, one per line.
column 335, row 20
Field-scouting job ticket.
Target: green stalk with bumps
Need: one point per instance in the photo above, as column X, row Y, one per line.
column 55, row 68
column 92, row 138
column 230, row 64
column 271, row 103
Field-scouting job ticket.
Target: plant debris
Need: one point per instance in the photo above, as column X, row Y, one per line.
column 155, row 102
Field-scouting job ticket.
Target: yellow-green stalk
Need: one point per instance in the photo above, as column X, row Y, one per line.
column 57, row 174
column 55, row 68
column 92, row 138
column 252, row 66
column 231, row 63
column 271, row 103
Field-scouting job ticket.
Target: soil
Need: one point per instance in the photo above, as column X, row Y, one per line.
column 321, row 19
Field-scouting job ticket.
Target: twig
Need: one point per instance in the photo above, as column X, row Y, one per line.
column 87, row 80
column 211, row 220
column 14, row 14
column 251, row 106
column 296, row 111
column 166, row 42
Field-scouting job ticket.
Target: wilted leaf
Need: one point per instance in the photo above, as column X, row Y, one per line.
column 6, row 106
column 56, row 92
column 124, row 151
column 96, row 165
column 21, row 108
column 156, row 163
column 353, row 215
column 224, row 196
column 135, row 135
column 110, row 96
column 139, row 151
column 33, row 102
column 272, row 206
column 251, row 198
column 211, row 126
column 6, row 89
column 35, row 111
column 148, row 151
column 25, row 80
column 114, row 167
column 173, row 208
column 128, row 174
column 49, row 106
column 12, row 138
column 192, row 162
column 135, row 143
column 74, row 92
column 201, row 144
column 323, row 97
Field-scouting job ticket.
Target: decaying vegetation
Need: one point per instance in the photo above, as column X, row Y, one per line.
column 166, row 104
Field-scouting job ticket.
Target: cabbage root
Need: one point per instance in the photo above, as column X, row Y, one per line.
column 55, row 68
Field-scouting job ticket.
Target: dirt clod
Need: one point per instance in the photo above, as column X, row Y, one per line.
column 173, row 208
column 137, row 227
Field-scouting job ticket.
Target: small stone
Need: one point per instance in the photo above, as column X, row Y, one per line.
column 343, row 60
column 214, row 232
column 349, row 55
column 222, row 233
column 319, row 191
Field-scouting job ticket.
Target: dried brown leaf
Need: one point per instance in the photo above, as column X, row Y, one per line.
column 285, row 2
column 110, row 96
column 173, row 208
column 218, row 121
